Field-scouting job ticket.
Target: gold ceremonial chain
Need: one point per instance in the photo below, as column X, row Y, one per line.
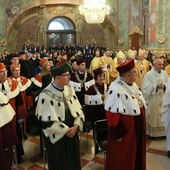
column 134, row 95
column 98, row 92
column 78, row 78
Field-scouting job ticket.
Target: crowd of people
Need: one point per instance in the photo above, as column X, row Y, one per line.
column 69, row 85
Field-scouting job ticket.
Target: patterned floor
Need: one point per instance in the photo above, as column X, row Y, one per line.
column 156, row 154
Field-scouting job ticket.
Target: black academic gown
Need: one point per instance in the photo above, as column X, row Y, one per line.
column 64, row 154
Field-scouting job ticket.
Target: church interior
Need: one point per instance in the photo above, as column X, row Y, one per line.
column 130, row 24
column 52, row 24
column 156, row 157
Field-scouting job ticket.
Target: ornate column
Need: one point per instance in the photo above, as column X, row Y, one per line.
column 42, row 22
column 79, row 30
column 3, row 41
column 159, row 31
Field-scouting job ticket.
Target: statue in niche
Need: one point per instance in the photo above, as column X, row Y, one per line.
column 41, row 23
column 41, row 27
column 135, row 20
column 80, row 25
column 12, row 10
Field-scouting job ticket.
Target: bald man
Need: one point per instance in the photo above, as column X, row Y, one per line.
column 153, row 89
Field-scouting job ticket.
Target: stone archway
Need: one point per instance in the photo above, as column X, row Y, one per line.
column 61, row 30
column 29, row 25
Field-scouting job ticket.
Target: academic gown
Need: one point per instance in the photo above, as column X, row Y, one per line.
column 129, row 154
column 58, row 110
column 16, row 101
column 94, row 103
column 76, row 85
column 24, row 85
column 37, row 82
column 126, row 121
column 8, row 135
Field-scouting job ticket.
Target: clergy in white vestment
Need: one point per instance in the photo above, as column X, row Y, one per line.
column 166, row 115
column 153, row 89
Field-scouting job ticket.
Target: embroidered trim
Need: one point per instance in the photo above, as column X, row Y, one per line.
column 133, row 95
column 63, row 99
column 36, row 82
column 98, row 92
column 78, row 78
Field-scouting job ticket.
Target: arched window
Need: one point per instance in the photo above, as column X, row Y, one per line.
column 61, row 30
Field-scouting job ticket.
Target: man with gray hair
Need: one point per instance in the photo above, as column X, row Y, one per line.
column 153, row 89
column 125, row 112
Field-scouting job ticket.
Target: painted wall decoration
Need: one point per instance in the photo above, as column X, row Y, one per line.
column 124, row 16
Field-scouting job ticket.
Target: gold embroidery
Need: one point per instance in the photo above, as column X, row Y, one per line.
column 134, row 95
column 81, row 81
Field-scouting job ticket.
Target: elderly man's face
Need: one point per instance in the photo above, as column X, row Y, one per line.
column 121, row 60
column 159, row 64
column 133, row 75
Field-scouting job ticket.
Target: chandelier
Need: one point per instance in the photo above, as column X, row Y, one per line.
column 94, row 11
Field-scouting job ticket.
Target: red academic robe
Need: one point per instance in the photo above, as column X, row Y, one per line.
column 26, row 95
column 17, row 104
column 8, row 135
column 8, row 138
column 130, row 153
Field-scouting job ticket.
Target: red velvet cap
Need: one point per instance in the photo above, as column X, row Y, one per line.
column 61, row 62
column 126, row 66
column 63, row 53
column 97, row 71
column 42, row 62
column 2, row 66
column 12, row 66
column 80, row 61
